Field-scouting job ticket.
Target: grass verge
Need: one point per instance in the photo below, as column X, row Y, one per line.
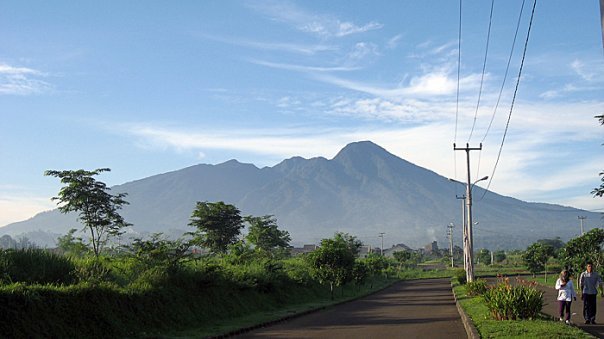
column 476, row 309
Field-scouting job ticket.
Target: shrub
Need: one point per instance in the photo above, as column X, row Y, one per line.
column 507, row 302
column 460, row 276
column 476, row 287
column 35, row 266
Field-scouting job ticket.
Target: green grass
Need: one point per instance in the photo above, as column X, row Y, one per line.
column 489, row 328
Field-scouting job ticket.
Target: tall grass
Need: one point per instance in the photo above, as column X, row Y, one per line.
column 35, row 266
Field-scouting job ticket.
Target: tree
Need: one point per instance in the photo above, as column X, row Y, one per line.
column 97, row 208
column 218, row 225
column 353, row 243
column 332, row 262
column 536, row 256
column 402, row 257
column 499, row 256
column 158, row 251
column 484, row 256
column 586, row 248
column 556, row 243
column 265, row 234
column 72, row 245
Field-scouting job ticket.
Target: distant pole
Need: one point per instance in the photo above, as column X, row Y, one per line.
column 450, row 234
column 464, row 239
column 581, row 218
column 470, row 249
column 382, row 248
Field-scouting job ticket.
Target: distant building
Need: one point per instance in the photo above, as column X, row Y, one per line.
column 431, row 248
column 301, row 250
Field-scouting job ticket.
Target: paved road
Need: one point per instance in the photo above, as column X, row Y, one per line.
column 408, row 309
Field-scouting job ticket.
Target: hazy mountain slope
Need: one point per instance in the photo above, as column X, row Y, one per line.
column 363, row 190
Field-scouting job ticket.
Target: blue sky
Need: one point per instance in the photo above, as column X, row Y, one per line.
column 146, row 87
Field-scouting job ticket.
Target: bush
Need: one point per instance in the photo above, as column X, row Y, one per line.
column 35, row 266
column 507, row 302
column 460, row 276
column 476, row 287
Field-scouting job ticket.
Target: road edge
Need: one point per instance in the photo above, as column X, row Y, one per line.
column 471, row 330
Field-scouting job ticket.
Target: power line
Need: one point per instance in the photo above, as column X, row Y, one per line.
column 484, row 65
column 507, row 125
column 507, row 68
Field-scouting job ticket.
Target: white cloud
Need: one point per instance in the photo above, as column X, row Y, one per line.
column 299, row 48
column 394, row 41
column 21, row 81
column 325, row 26
column 304, row 69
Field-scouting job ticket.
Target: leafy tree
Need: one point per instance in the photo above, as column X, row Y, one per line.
column 556, row 243
column 6, row 242
column 376, row 264
column 332, row 262
column 402, row 257
column 158, row 251
column 360, row 272
column 266, row 235
column 499, row 256
column 352, row 242
column 97, row 208
column 218, row 225
column 484, row 256
column 72, row 245
column 536, row 256
column 586, row 248
column 599, row 191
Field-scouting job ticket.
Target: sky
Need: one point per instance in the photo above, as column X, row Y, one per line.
column 147, row 87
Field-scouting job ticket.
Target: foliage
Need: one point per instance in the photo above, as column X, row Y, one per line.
column 97, row 208
column 499, row 256
column 586, row 248
column 218, row 225
column 72, row 245
column 265, row 234
column 402, row 257
column 556, row 243
column 460, row 276
column 352, row 242
column 159, row 251
column 507, row 302
column 536, row 255
column 35, row 266
column 476, row 287
column 360, row 272
column 332, row 262
column 484, row 256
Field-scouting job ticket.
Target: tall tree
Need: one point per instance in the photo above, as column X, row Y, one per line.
column 218, row 225
column 97, row 208
column 264, row 233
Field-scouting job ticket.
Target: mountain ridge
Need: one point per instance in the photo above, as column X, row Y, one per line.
column 363, row 190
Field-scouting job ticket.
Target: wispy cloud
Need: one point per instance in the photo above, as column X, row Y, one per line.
column 299, row 48
column 304, row 68
column 21, row 80
column 322, row 25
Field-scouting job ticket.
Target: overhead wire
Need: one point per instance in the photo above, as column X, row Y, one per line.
column 507, row 125
column 484, row 65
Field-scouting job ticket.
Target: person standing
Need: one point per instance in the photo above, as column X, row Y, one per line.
column 566, row 295
column 589, row 282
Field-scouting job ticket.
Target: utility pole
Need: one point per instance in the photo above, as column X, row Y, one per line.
column 470, row 246
column 464, row 239
column 382, row 248
column 581, row 218
column 450, row 234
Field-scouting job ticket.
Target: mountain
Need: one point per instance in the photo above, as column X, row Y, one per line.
column 363, row 190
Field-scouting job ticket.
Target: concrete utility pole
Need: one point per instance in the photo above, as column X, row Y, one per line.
column 382, row 248
column 470, row 246
column 581, row 218
column 450, row 234
column 464, row 236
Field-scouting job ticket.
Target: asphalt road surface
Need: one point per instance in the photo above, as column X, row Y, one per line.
column 408, row 309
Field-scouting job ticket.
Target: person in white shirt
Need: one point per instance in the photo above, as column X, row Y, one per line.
column 566, row 295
